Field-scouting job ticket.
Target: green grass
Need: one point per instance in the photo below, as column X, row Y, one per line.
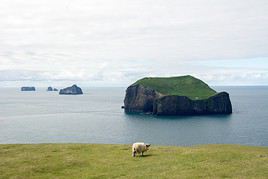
column 115, row 161
column 182, row 86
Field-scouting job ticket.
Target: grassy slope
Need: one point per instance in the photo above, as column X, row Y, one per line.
column 182, row 86
column 115, row 161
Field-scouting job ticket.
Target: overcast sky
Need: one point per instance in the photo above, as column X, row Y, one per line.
column 116, row 42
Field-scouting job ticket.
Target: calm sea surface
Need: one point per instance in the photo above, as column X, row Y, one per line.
column 97, row 117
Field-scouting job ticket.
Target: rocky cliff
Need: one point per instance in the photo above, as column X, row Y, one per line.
column 141, row 99
column 72, row 90
column 182, row 105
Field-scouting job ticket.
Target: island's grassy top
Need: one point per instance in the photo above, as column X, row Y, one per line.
column 115, row 161
column 183, row 86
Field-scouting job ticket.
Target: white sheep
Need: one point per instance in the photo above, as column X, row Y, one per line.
column 139, row 148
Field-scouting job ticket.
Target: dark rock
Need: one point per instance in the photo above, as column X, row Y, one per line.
column 73, row 90
column 51, row 89
column 140, row 99
column 27, row 88
column 182, row 105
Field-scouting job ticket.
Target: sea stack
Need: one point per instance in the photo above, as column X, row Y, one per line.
column 72, row 90
column 51, row 89
column 27, row 88
column 183, row 95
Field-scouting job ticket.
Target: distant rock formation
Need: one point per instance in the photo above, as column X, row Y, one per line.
column 27, row 88
column 72, row 90
column 51, row 89
column 147, row 99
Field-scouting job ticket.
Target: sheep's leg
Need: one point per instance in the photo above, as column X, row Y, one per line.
column 141, row 153
column 133, row 154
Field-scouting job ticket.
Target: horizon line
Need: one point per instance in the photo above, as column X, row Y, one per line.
column 115, row 86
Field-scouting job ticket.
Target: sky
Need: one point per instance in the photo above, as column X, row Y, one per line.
column 116, row 42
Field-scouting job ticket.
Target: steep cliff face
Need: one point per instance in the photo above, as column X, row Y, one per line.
column 142, row 99
column 219, row 103
column 182, row 105
column 173, row 105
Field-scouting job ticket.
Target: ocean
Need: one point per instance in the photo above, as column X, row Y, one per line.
column 97, row 117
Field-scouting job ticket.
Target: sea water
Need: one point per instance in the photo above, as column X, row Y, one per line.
column 97, row 117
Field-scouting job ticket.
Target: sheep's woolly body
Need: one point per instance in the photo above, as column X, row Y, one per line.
column 139, row 147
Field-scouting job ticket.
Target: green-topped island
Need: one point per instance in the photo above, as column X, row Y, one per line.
column 183, row 95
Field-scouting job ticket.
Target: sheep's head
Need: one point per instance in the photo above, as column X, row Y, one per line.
column 147, row 146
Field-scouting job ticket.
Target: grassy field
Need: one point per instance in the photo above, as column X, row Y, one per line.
column 182, row 86
column 115, row 161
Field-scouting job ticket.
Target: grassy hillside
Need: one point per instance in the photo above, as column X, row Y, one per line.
column 183, row 85
column 115, row 161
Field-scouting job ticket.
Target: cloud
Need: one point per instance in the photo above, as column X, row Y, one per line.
column 123, row 40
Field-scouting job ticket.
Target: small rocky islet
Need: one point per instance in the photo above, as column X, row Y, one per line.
column 183, row 95
column 72, row 90
column 51, row 89
column 27, row 88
